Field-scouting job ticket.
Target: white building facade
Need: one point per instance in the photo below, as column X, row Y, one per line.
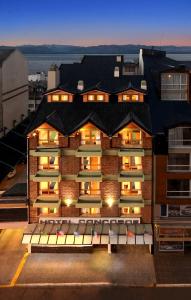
column 13, row 89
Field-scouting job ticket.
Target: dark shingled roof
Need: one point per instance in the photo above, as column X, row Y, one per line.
column 97, row 71
column 108, row 117
column 19, row 189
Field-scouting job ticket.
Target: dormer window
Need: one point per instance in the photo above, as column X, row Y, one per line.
column 55, row 98
column 64, row 97
column 174, row 86
column 60, row 96
column 95, row 96
column 130, row 96
column 133, row 97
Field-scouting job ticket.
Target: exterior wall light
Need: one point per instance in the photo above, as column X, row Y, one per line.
column 110, row 202
column 68, row 202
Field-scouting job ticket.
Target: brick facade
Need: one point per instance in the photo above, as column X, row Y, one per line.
column 146, row 213
column 70, row 165
column 110, row 189
column 69, row 189
column 110, row 166
column 33, row 165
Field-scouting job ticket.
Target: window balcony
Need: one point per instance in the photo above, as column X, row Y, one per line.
column 45, row 152
column 131, row 199
column 136, row 143
column 131, row 194
column 87, row 175
column 90, row 141
column 179, row 143
column 89, row 150
column 48, row 203
column 89, row 193
column 179, row 168
column 179, row 137
column 46, row 175
column 131, row 173
column 89, row 203
column 179, row 194
column 131, row 152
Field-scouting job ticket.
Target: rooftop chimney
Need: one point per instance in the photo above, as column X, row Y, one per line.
column 143, row 85
column 116, row 72
column 80, row 85
column 118, row 58
column 53, row 77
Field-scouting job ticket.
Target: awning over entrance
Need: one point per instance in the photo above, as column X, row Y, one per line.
column 88, row 232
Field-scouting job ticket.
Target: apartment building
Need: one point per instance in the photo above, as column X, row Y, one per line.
column 13, row 89
column 90, row 147
column 169, row 99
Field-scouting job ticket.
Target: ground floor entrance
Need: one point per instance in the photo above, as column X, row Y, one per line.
column 76, row 232
column 173, row 237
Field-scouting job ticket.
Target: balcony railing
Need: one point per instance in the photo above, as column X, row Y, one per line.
column 49, row 192
column 48, row 142
column 90, row 141
column 179, row 168
column 48, row 167
column 131, row 192
column 131, row 142
column 179, row 194
column 179, row 143
column 90, row 192
column 91, row 167
column 127, row 167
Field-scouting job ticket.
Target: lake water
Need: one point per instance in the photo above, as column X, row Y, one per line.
column 42, row 62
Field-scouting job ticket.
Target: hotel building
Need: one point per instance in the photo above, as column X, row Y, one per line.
column 101, row 144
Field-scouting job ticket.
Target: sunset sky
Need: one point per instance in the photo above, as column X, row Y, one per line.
column 93, row 22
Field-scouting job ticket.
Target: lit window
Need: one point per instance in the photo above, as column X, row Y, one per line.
column 135, row 97
column 90, row 188
column 91, row 97
column 48, row 136
column 131, row 188
column 64, row 97
column 131, row 210
column 90, row 136
column 100, row 97
column 46, row 210
column 174, row 86
column 55, row 97
column 48, row 162
column 48, row 187
column 126, row 97
column 90, row 211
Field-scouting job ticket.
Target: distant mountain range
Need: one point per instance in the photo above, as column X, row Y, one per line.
column 101, row 49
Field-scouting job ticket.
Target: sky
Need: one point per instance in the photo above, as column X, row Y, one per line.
column 95, row 22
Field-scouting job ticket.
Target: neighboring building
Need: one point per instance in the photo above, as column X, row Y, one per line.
column 169, row 97
column 36, row 91
column 39, row 76
column 13, row 89
column 90, row 145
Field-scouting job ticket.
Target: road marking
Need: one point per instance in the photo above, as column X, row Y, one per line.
column 19, row 269
column 159, row 285
column 2, row 286
column 73, row 284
